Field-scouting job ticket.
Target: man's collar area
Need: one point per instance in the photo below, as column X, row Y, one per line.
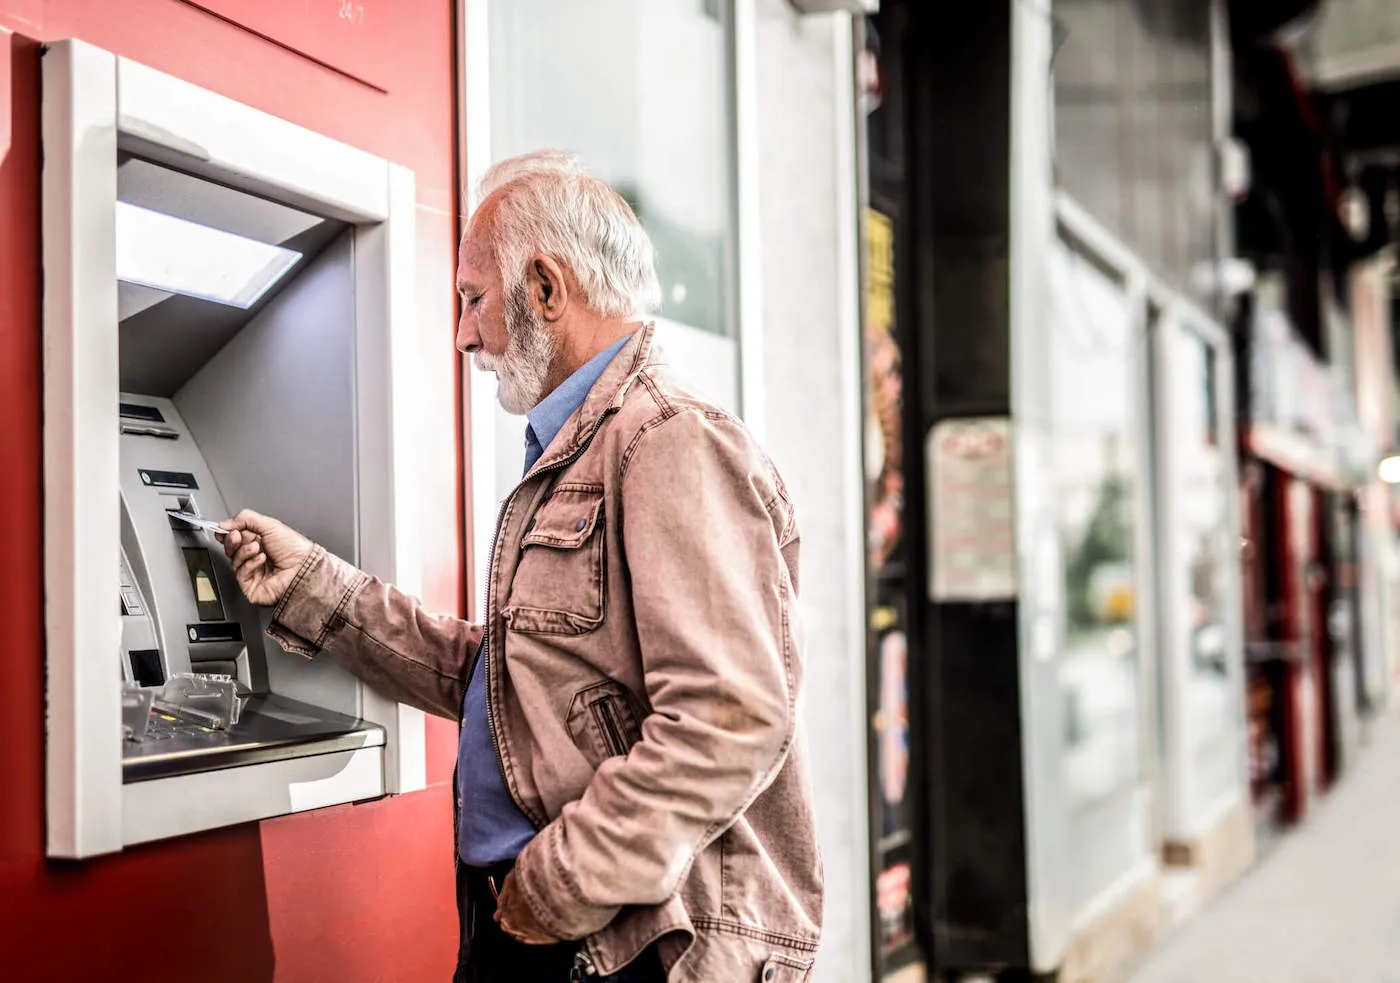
column 552, row 412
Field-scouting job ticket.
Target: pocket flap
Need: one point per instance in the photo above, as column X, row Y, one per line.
column 566, row 520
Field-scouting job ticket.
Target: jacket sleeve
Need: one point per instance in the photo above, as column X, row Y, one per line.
column 377, row 632
column 711, row 595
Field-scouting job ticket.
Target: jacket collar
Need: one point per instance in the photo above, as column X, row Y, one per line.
column 607, row 394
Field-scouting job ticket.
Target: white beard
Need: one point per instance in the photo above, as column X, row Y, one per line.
column 530, row 350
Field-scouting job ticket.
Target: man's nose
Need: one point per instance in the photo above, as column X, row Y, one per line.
column 468, row 339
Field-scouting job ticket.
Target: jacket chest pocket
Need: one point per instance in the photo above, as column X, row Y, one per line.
column 558, row 585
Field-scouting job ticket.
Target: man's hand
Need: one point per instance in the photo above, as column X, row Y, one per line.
column 265, row 555
column 516, row 919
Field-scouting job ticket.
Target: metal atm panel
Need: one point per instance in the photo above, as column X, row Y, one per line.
column 194, row 603
column 183, row 612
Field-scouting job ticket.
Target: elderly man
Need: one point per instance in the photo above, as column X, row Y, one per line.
column 632, row 802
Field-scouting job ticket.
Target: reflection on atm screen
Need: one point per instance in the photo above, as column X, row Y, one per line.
column 202, row 582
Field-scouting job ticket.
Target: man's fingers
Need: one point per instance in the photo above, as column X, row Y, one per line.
column 252, row 548
column 529, row 938
column 248, row 566
column 510, row 904
column 249, row 571
column 231, row 540
column 254, row 522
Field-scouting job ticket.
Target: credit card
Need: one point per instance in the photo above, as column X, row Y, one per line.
column 195, row 520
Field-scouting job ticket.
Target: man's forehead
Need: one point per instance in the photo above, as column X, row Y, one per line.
column 474, row 256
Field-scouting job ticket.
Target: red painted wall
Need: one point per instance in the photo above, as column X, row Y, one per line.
column 346, row 894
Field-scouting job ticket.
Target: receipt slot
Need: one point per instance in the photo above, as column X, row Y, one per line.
column 227, row 316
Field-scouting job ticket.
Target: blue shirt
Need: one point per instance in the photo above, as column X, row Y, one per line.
column 491, row 828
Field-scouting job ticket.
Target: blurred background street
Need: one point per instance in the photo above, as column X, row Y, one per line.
column 1322, row 906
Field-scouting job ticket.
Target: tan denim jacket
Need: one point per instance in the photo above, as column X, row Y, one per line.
column 642, row 679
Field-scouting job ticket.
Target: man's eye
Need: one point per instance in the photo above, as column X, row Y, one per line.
column 474, row 301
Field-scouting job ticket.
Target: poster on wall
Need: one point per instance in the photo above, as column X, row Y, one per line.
column 894, row 900
column 890, row 725
column 892, row 776
column 884, row 402
column 972, row 535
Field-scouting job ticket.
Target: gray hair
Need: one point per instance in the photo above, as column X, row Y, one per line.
column 549, row 204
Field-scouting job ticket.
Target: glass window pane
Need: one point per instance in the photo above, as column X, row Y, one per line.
column 1094, row 435
column 640, row 90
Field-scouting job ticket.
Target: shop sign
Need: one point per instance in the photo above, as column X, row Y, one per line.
column 1290, row 386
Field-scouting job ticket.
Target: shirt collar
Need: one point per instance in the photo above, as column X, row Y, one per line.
column 549, row 417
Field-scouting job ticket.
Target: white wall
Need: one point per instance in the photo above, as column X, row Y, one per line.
column 810, row 333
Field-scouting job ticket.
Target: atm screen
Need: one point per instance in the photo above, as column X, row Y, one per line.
column 206, row 589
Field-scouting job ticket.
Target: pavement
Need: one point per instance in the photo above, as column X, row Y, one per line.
column 1321, row 906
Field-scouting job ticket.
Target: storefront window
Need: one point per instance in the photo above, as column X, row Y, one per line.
column 1095, row 446
column 1203, row 552
column 640, row 90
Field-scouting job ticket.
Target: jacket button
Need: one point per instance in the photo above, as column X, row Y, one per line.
column 769, row 971
column 581, row 524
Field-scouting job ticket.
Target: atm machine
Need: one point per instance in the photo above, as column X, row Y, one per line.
column 257, row 412
column 228, row 315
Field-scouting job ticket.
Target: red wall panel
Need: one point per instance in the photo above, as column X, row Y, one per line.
column 191, row 909
column 21, row 493
column 381, row 876
column 357, row 37
column 355, row 893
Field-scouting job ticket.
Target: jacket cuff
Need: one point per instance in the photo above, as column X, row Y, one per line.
column 314, row 604
column 553, row 896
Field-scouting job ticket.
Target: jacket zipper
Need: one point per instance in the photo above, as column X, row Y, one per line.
column 606, row 714
column 490, row 617
column 583, row 966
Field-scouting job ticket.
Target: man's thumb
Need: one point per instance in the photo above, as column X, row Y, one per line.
column 253, row 522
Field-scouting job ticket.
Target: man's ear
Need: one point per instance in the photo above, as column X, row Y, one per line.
column 548, row 287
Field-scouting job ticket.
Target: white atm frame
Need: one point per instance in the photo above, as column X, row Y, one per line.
column 94, row 101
